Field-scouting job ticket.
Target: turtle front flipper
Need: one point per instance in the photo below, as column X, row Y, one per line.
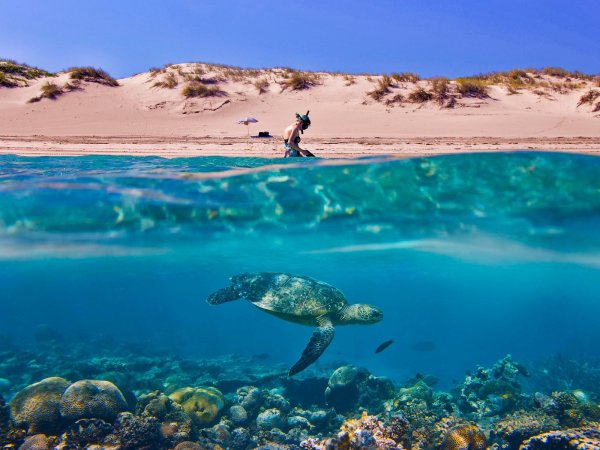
column 319, row 341
column 224, row 295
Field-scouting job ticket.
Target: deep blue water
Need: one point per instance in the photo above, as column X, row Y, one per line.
column 480, row 254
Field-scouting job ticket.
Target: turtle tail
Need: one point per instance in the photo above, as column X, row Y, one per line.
column 224, row 295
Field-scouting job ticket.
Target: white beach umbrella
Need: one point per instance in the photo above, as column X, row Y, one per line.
column 247, row 121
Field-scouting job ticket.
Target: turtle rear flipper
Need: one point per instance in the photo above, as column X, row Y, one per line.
column 319, row 341
column 224, row 295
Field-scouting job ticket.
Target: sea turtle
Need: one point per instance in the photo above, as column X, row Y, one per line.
column 299, row 299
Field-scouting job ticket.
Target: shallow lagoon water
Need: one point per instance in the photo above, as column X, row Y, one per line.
column 482, row 255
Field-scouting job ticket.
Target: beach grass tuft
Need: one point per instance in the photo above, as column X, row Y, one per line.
column 472, row 87
column 72, row 86
column 92, row 75
column 589, row 97
column 406, row 77
column 419, row 95
column 383, row 88
column 197, row 89
column 49, row 90
column 440, row 89
column 298, row 81
column 261, row 85
column 558, row 72
column 396, row 99
column 169, row 81
column 349, row 80
column 154, row 71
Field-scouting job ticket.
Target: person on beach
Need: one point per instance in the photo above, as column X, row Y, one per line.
column 291, row 137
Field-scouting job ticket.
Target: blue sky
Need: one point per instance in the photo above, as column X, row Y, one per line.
column 442, row 37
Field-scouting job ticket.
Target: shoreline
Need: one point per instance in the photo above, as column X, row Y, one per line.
column 191, row 146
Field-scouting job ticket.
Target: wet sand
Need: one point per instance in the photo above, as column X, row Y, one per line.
column 189, row 146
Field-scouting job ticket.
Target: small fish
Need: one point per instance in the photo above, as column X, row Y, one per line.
column 384, row 345
column 423, row 346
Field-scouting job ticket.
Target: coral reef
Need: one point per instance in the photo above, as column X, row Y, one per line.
column 176, row 425
column 135, row 433
column 350, row 386
column 367, row 432
column 420, row 391
column 85, row 432
column 512, row 430
column 343, row 387
column 492, row 392
column 37, row 407
column 342, row 407
column 92, row 399
column 203, row 404
column 572, row 439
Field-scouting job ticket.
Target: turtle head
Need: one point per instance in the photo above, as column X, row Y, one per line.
column 361, row 314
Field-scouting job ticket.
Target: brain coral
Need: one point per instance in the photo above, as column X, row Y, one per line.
column 464, row 437
column 202, row 404
column 37, row 407
column 92, row 399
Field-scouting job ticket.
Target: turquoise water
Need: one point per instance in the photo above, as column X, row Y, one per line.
column 476, row 255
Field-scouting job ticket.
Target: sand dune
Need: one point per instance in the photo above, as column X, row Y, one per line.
column 138, row 117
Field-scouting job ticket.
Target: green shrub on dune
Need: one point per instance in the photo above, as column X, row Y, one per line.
column 14, row 74
column 6, row 81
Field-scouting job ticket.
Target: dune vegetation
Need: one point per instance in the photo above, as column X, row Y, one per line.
column 92, row 75
column 201, row 80
column 14, row 74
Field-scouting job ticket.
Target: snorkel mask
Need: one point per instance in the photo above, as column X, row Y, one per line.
column 305, row 120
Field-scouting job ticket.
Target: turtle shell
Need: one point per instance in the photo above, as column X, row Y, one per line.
column 289, row 295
